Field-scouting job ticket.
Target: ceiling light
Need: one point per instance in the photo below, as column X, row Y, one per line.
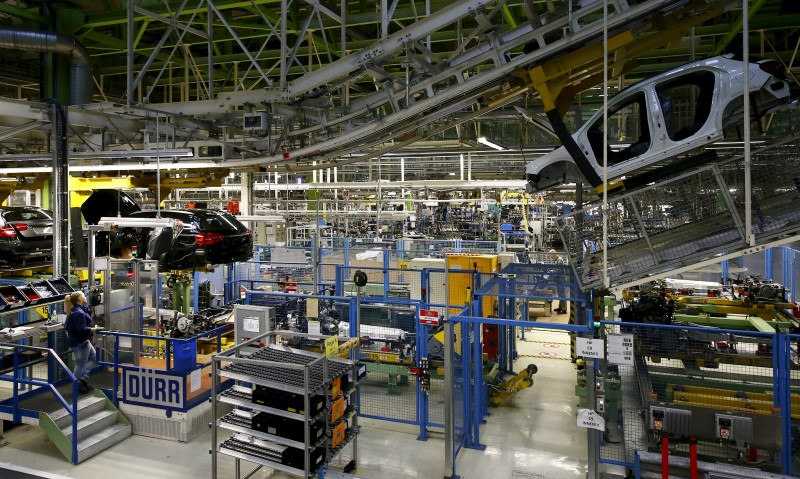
column 263, row 219
column 92, row 155
column 109, row 222
column 482, row 140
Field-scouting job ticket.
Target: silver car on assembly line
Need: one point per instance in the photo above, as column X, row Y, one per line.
column 657, row 122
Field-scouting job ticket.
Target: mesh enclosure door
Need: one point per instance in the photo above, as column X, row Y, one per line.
column 460, row 391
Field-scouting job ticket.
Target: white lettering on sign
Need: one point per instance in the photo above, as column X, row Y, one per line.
column 429, row 317
column 589, row 348
column 620, row 349
column 589, row 419
column 149, row 386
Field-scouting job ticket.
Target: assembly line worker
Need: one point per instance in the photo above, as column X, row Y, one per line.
column 79, row 330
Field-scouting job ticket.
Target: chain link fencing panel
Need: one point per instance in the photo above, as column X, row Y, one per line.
column 682, row 382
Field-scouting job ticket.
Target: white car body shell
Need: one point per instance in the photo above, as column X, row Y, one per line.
column 559, row 167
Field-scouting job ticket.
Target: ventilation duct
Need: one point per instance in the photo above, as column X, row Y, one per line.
column 81, row 83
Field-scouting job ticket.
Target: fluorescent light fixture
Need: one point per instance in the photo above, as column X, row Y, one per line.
column 264, row 219
column 483, row 141
column 111, row 221
column 164, row 153
column 92, row 155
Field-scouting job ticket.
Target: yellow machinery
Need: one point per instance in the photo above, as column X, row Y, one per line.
column 460, row 283
column 767, row 311
column 500, row 390
column 729, row 400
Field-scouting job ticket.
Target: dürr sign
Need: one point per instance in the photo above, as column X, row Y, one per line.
column 153, row 388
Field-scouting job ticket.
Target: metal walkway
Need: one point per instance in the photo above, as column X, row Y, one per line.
column 680, row 223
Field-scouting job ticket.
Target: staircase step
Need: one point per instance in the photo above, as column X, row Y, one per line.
column 87, row 406
column 102, row 440
column 92, row 424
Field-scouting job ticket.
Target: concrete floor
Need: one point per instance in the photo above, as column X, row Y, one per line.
column 533, row 435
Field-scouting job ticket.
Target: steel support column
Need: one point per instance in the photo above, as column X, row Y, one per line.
column 769, row 264
column 60, row 192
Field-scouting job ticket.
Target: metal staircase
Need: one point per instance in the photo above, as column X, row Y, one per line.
column 99, row 426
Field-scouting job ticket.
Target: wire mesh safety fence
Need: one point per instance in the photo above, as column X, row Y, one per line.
column 686, row 219
column 381, row 282
column 683, row 382
column 387, row 339
column 792, row 362
column 461, row 387
column 643, row 234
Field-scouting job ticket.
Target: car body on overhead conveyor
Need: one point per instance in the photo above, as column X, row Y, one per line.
column 656, row 123
column 26, row 236
column 201, row 236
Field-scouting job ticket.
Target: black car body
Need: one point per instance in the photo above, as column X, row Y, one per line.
column 26, row 236
column 201, row 237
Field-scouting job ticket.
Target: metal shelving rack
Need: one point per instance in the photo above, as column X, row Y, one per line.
column 286, row 369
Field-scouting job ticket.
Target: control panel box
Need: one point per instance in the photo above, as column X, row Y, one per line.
column 251, row 322
column 734, row 428
column 670, row 421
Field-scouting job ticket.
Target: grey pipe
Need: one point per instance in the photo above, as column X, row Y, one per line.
column 81, row 83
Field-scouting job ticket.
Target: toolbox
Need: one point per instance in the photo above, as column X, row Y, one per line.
column 288, row 428
column 287, row 401
column 294, row 457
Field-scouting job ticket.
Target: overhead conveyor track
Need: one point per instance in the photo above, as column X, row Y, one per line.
column 689, row 220
column 436, row 89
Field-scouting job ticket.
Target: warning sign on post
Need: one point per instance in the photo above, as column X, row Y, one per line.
column 589, row 419
column 620, row 349
column 590, row 348
column 429, row 317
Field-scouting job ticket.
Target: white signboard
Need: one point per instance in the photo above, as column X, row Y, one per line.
column 313, row 327
column 620, row 349
column 196, row 380
column 589, row 419
column 152, row 387
column 590, row 348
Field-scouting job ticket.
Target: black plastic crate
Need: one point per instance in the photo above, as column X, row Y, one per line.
column 287, row 428
column 287, row 401
column 32, row 295
column 13, row 296
column 61, row 285
column 47, row 293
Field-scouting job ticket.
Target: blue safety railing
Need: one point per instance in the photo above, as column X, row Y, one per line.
column 15, row 409
column 517, row 282
column 183, row 348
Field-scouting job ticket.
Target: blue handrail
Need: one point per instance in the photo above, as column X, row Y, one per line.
column 72, row 411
